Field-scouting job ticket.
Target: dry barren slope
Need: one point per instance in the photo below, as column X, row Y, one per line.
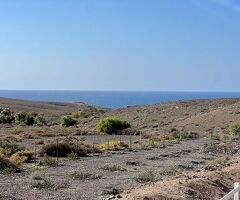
column 202, row 185
column 203, row 116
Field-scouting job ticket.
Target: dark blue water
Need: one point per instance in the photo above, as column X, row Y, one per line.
column 110, row 99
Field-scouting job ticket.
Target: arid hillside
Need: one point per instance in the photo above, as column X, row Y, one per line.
column 179, row 151
column 202, row 116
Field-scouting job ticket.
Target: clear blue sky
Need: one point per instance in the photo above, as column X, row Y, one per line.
column 177, row 45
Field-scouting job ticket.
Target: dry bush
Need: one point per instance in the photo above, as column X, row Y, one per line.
column 55, row 149
column 114, row 146
column 147, row 176
column 90, row 148
column 8, row 148
column 7, row 166
column 62, row 149
column 22, row 156
column 130, row 131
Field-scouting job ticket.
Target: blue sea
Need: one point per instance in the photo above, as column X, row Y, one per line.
column 114, row 99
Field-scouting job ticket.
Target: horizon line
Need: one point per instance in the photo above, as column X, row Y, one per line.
column 79, row 90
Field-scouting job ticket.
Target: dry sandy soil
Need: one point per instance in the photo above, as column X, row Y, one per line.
column 179, row 167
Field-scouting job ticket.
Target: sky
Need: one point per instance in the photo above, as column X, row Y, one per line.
column 148, row 45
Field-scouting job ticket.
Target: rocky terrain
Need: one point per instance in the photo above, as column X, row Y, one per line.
column 201, row 167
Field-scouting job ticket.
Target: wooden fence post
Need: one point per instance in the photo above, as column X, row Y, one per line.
column 35, row 151
column 57, row 151
column 130, row 141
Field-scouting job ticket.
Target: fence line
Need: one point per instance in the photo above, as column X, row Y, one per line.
column 234, row 193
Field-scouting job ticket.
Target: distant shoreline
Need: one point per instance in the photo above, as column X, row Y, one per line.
column 114, row 99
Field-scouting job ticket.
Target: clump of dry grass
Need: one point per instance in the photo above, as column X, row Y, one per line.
column 83, row 175
column 42, row 183
column 146, row 176
column 113, row 168
column 21, row 156
column 8, row 148
column 114, row 146
column 217, row 162
column 6, row 166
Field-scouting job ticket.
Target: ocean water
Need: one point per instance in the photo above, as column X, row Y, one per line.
column 114, row 99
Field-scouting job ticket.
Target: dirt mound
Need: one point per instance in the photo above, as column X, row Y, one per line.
column 201, row 185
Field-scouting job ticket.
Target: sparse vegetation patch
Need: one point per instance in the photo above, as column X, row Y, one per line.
column 147, row 176
column 234, row 129
column 83, row 175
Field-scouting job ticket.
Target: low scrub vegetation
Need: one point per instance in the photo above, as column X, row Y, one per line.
column 23, row 118
column 234, row 129
column 22, row 156
column 82, row 175
column 6, row 116
column 6, row 166
column 67, row 121
column 72, row 156
column 56, row 149
column 114, row 146
column 218, row 162
column 20, row 118
column 49, row 161
column 112, row 125
column 8, row 148
column 68, row 148
column 180, row 136
column 113, row 168
column 40, row 182
column 147, row 176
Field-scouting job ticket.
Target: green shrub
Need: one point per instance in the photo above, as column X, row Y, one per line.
column 111, row 125
column 23, row 118
column 234, row 129
column 67, row 121
column 49, row 161
column 72, row 156
column 6, row 116
column 39, row 121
